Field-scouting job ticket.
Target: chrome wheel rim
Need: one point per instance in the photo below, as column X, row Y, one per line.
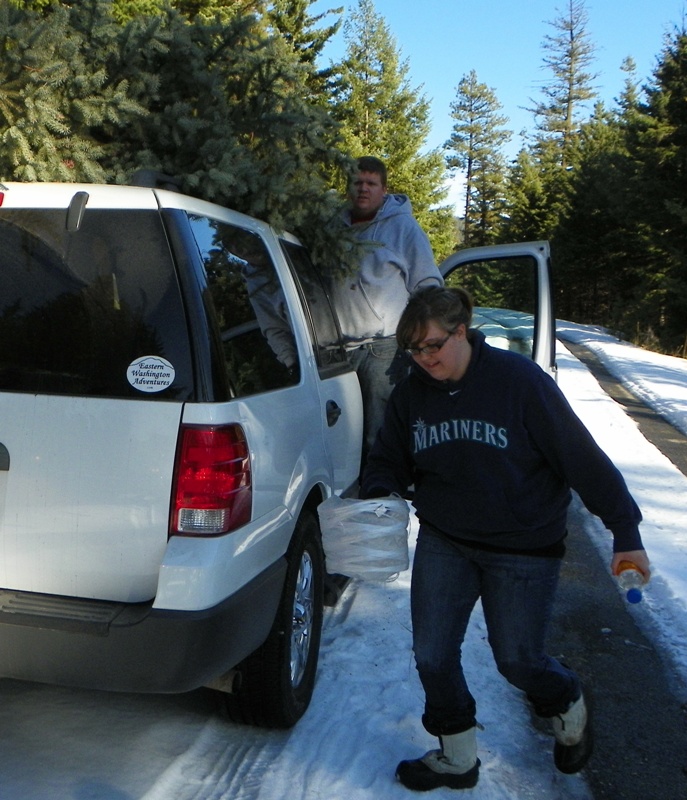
column 303, row 613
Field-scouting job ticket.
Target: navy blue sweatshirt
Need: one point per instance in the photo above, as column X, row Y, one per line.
column 493, row 456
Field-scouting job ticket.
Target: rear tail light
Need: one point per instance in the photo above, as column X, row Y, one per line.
column 212, row 492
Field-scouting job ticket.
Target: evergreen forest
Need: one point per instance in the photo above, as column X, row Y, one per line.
column 233, row 98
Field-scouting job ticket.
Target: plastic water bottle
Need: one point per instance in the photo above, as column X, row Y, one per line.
column 630, row 580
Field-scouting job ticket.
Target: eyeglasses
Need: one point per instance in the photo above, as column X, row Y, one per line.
column 429, row 349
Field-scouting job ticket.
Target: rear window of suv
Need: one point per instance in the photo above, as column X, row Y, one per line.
column 92, row 312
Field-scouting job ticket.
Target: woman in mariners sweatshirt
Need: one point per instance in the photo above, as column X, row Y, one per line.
column 493, row 449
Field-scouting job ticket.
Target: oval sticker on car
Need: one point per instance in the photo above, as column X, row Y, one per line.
column 150, row 374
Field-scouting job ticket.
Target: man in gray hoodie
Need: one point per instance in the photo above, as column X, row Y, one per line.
column 396, row 260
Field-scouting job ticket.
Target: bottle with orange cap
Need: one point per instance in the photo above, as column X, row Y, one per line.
column 631, row 580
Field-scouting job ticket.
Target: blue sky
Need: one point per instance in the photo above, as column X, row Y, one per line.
column 443, row 40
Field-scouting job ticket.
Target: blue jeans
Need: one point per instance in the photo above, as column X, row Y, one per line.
column 517, row 593
column 380, row 365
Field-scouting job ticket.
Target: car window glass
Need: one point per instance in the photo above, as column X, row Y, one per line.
column 260, row 352
column 94, row 311
column 504, row 291
column 324, row 329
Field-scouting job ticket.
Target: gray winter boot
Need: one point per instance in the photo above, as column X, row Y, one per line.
column 573, row 733
column 456, row 765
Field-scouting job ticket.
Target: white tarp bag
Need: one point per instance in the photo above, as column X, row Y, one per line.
column 365, row 539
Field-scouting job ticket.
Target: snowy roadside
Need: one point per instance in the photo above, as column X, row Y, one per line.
column 660, row 381
column 659, row 488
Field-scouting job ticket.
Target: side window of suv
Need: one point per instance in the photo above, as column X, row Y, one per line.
column 324, row 327
column 257, row 336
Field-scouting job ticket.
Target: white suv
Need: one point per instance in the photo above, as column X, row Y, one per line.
column 175, row 402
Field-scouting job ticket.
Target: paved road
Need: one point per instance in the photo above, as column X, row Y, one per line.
column 640, row 705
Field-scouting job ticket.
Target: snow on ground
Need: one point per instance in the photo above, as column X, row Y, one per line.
column 368, row 704
column 365, row 715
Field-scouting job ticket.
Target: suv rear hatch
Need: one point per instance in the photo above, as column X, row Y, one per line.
column 95, row 366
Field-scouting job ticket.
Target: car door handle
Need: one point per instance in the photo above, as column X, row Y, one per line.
column 333, row 413
column 4, row 458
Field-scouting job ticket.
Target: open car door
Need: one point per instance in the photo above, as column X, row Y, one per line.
column 511, row 288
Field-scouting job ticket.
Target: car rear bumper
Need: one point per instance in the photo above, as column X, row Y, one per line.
column 133, row 648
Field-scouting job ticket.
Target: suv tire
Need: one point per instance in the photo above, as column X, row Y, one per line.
column 277, row 681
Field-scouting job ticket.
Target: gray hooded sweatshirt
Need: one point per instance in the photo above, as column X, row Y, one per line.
column 397, row 260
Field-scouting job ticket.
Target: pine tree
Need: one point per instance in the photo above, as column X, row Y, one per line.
column 554, row 149
column 124, row 11
column 382, row 115
column 569, row 54
column 602, row 242
column 231, row 118
column 659, row 144
column 590, row 240
column 194, row 10
column 292, row 20
column 475, row 148
column 55, row 97
column 527, row 202
column 218, row 105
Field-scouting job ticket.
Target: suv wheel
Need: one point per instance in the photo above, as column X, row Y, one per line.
column 277, row 680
